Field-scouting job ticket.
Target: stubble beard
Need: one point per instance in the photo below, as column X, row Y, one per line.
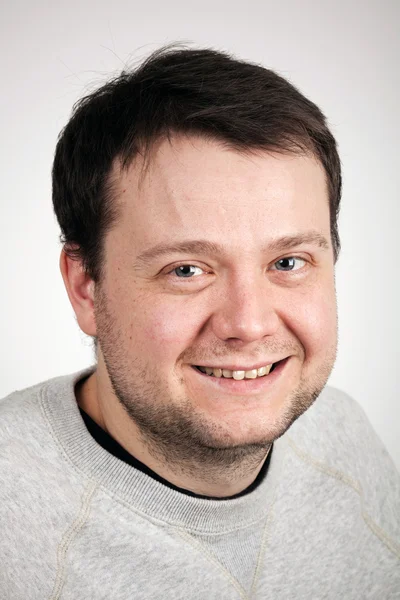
column 177, row 434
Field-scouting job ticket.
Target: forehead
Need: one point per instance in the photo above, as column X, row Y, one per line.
column 194, row 188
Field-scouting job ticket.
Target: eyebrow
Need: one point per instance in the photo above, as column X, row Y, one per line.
column 207, row 248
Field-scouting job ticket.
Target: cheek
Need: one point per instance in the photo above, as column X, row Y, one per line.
column 154, row 326
column 165, row 328
column 312, row 318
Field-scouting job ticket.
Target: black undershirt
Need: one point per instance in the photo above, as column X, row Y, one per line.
column 114, row 448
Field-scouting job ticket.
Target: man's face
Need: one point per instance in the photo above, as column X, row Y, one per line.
column 238, row 294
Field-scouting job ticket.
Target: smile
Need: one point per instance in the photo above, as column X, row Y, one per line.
column 237, row 374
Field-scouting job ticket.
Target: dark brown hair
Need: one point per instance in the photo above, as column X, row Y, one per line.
column 177, row 90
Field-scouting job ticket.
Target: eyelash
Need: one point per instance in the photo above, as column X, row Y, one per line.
column 170, row 273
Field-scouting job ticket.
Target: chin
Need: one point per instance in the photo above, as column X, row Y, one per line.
column 260, row 421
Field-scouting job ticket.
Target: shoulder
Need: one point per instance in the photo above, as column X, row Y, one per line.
column 336, row 437
column 336, row 428
column 338, row 418
column 26, row 439
column 26, row 433
column 23, row 410
column 39, row 490
column 341, row 406
column 20, row 413
column 33, row 463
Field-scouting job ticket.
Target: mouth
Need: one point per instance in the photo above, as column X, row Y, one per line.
column 242, row 382
column 238, row 374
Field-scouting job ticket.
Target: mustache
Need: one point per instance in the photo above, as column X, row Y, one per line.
column 219, row 351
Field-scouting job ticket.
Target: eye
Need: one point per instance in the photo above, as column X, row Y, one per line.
column 187, row 271
column 289, row 263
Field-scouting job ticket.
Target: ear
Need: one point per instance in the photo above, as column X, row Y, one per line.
column 80, row 290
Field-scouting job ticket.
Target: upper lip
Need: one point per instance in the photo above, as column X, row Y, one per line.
column 232, row 367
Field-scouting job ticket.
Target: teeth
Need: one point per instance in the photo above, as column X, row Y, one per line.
column 251, row 374
column 238, row 375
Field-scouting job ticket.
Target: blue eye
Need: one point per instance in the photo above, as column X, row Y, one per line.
column 187, row 271
column 288, row 264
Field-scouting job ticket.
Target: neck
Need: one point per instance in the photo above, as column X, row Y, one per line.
column 96, row 397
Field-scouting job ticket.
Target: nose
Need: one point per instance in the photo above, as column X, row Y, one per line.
column 247, row 311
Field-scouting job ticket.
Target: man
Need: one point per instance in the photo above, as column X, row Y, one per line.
column 202, row 456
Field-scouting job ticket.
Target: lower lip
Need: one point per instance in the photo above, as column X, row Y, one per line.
column 242, row 387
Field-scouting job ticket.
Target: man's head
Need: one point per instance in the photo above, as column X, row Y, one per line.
column 198, row 197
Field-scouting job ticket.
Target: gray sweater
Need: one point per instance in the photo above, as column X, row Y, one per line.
column 77, row 523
